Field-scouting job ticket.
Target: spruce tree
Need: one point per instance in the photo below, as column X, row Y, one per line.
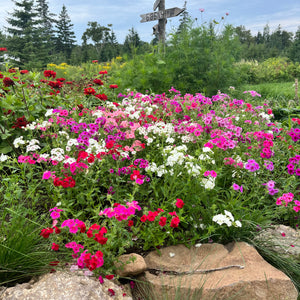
column 295, row 48
column 22, row 34
column 132, row 42
column 65, row 38
column 46, row 22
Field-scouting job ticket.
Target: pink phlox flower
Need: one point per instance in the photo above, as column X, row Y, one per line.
column 270, row 184
column 134, row 204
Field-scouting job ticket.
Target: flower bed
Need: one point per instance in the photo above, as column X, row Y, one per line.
column 145, row 171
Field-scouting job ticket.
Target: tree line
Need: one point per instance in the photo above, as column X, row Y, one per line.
column 35, row 37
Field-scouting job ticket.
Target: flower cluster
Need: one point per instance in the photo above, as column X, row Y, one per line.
column 226, row 218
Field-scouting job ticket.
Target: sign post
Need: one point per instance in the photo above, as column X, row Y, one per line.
column 162, row 23
column 161, row 15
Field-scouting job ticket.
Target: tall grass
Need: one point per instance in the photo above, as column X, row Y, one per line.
column 281, row 94
column 24, row 253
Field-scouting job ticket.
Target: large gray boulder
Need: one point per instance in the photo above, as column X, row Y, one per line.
column 63, row 285
column 283, row 240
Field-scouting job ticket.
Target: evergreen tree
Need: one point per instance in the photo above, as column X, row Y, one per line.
column 65, row 39
column 184, row 21
column 22, row 42
column 266, row 34
column 112, row 46
column 294, row 53
column 132, row 42
column 46, row 23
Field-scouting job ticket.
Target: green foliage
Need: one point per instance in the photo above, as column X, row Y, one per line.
column 279, row 69
column 104, row 44
column 196, row 59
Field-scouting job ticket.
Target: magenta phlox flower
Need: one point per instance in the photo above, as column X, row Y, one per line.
column 55, row 212
column 121, row 212
column 236, row 187
column 139, row 181
column 80, row 166
column 73, row 225
column 48, row 174
column 73, row 245
column 286, row 198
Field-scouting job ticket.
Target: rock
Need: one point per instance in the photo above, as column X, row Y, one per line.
column 130, row 265
column 63, row 285
column 234, row 271
column 283, row 240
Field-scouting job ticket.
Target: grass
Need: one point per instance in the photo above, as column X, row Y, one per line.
column 280, row 94
column 23, row 253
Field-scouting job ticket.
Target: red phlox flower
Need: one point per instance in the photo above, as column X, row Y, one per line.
column 130, row 223
column 45, row 233
column 143, row 218
column 179, row 203
column 175, row 222
column 162, row 221
column 152, row 215
column 55, row 247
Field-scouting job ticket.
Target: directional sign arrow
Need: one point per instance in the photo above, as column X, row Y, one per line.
column 168, row 13
column 155, row 5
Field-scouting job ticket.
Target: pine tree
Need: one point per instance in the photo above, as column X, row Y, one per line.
column 22, row 42
column 65, row 39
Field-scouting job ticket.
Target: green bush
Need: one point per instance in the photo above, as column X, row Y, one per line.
column 196, row 59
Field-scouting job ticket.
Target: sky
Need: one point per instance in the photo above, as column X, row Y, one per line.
column 125, row 14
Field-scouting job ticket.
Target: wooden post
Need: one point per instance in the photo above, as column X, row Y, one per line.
column 296, row 90
column 162, row 22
